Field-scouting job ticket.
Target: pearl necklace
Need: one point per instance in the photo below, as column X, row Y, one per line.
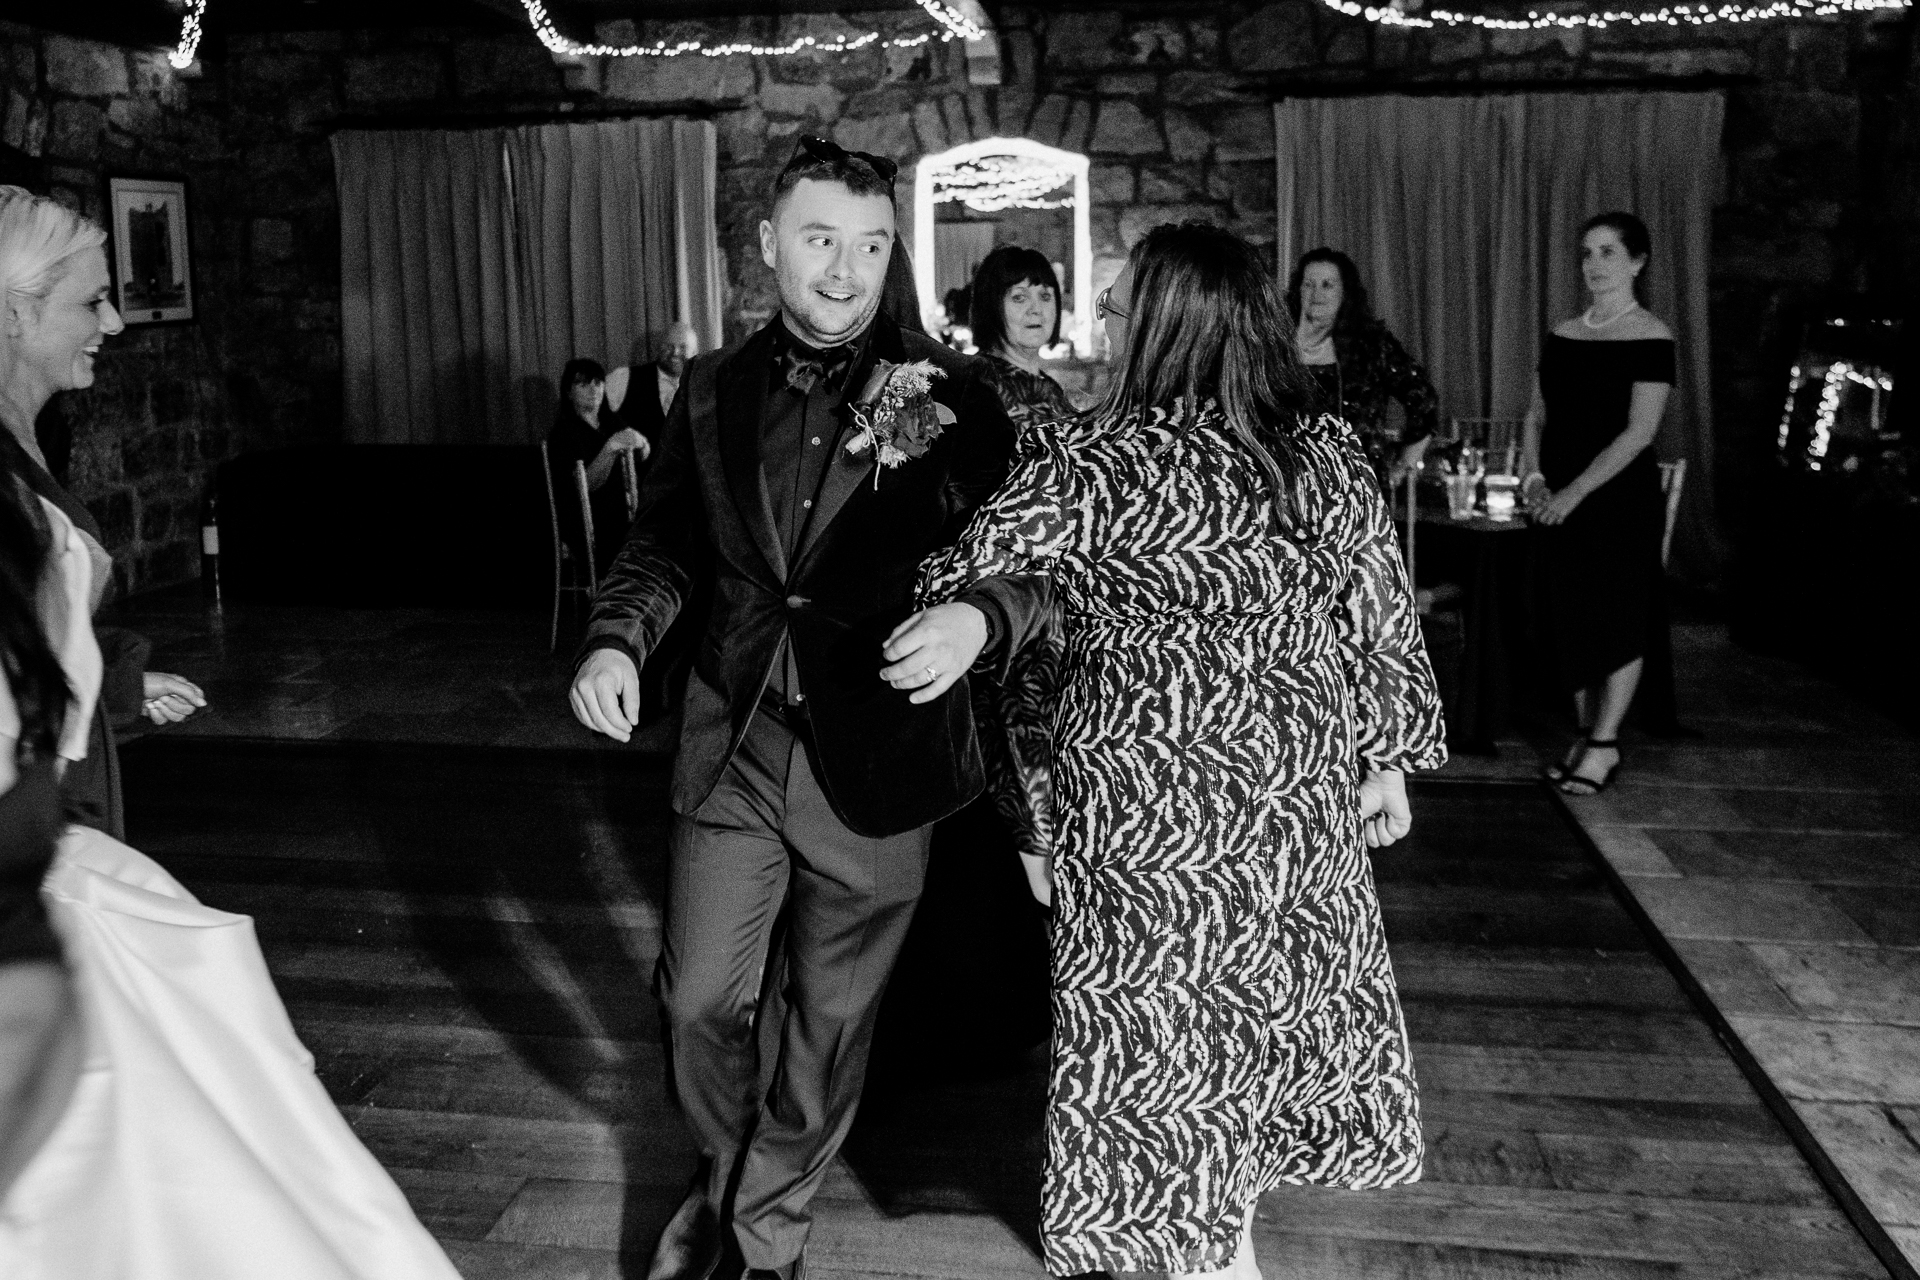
column 1586, row 317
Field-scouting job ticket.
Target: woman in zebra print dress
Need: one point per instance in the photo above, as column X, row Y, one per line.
column 1245, row 685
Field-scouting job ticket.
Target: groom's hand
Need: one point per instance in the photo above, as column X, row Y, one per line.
column 933, row 648
column 606, row 694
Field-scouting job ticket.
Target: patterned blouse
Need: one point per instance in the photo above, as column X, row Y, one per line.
column 1370, row 368
column 1027, row 397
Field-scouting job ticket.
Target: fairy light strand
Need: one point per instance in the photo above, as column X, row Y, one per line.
column 989, row 184
column 190, row 27
column 953, row 25
column 1695, row 15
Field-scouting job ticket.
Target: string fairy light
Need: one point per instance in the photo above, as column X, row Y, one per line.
column 953, row 25
column 989, row 184
column 1693, row 15
column 183, row 53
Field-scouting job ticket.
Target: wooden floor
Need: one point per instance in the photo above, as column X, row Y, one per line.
column 465, row 937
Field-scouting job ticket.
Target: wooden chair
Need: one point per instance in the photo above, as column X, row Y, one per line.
column 1673, row 479
column 567, row 571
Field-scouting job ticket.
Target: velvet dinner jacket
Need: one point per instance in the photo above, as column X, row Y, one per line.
column 886, row 765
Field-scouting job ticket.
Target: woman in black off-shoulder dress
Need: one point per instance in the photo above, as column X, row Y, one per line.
column 1594, row 484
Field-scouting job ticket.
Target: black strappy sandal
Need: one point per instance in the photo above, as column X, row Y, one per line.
column 1558, row 771
column 1590, row 786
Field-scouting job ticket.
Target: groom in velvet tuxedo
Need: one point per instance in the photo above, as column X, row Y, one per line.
column 826, row 724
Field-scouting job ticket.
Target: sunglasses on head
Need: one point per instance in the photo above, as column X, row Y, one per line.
column 832, row 152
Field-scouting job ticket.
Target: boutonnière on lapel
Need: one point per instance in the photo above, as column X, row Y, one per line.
column 897, row 415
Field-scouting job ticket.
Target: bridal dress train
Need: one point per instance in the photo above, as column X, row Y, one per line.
column 199, row 1145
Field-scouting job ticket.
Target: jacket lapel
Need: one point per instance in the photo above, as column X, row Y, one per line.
column 742, row 394
column 848, row 471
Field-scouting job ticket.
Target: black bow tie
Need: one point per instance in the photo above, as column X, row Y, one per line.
column 806, row 367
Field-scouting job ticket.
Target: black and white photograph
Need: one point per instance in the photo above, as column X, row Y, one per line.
column 959, row 640
column 152, row 263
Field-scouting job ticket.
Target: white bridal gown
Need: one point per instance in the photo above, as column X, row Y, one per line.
column 198, row 1144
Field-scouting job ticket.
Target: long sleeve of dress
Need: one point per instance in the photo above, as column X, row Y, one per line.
column 1024, row 529
column 1406, row 380
column 1396, row 704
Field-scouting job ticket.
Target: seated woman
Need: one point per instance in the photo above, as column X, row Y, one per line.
column 587, row 430
column 1356, row 363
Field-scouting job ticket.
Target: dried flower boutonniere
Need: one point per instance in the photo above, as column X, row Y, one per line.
column 897, row 414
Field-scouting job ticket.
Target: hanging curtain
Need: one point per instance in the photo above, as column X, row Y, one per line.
column 1462, row 215
column 475, row 263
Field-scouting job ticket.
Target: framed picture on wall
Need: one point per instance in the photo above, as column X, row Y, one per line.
column 152, row 264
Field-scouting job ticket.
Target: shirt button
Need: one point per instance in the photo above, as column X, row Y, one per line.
column 794, row 602
column 808, row 504
column 799, row 697
column 816, row 439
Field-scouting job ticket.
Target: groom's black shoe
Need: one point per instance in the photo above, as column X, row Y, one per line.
column 691, row 1245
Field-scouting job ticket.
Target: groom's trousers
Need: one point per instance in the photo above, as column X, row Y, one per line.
column 767, row 839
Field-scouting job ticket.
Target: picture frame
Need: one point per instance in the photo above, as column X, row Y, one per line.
column 152, row 255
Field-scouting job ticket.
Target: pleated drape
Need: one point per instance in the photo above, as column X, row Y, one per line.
column 475, row 263
column 1462, row 214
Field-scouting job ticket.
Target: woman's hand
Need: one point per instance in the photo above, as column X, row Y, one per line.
column 1556, row 507
column 627, row 440
column 1384, row 814
column 170, row 699
column 934, row 648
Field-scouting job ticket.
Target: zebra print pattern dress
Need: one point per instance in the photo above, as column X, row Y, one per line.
column 1225, row 1017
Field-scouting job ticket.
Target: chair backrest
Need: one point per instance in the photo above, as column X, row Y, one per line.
column 553, row 507
column 1673, row 480
column 631, row 474
column 586, row 519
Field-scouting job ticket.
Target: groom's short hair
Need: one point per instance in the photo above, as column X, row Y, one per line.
column 818, row 160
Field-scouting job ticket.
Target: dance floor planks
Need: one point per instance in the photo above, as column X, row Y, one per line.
column 465, row 939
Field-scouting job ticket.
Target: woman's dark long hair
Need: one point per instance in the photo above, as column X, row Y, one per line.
column 1207, row 322
column 579, row 369
column 27, row 660
column 1355, row 311
column 993, row 279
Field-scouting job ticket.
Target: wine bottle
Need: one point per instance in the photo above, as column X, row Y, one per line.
column 210, row 546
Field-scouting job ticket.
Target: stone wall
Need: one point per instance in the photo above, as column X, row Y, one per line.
column 1821, row 190
column 157, row 418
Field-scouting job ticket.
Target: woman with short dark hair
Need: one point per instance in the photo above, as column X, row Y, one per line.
column 588, row 430
column 1355, row 363
column 1593, row 483
column 1246, row 686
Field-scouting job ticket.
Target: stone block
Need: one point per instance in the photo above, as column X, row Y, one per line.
column 495, row 69
column 13, row 126
column 888, row 135
column 1207, row 88
column 687, row 79
column 1157, row 43
column 1170, row 184
column 272, row 240
column 114, row 511
column 1348, row 46
column 1079, row 125
column 1049, row 121
column 816, row 101
column 384, row 79
column 1248, row 187
column 1126, row 130
column 1012, row 109
column 1279, row 37
column 1186, row 139
column 1085, row 40
column 1454, row 45
column 1677, row 64
column 743, row 135
column 140, row 117
column 150, row 455
column 1019, row 59
column 1243, row 133
column 929, row 128
column 953, row 114
column 1203, row 43
column 23, row 62
column 1140, row 219
column 154, row 77
column 77, row 127
column 1110, row 184
column 85, row 68
column 159, row 519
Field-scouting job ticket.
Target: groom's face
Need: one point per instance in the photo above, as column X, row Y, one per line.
column 828, row 249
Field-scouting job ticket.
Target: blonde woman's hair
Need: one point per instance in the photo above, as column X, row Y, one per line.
column 38, row 240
